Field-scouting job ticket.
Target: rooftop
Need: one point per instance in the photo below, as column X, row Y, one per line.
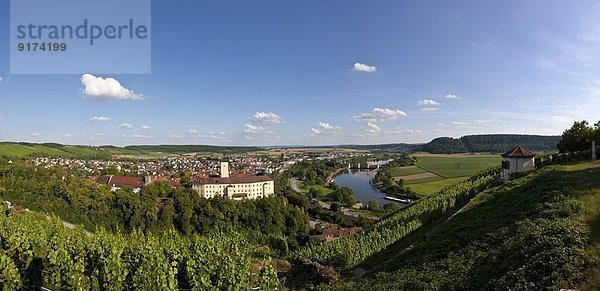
column 518, row 152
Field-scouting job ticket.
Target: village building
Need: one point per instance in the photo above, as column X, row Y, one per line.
column 518, row 159
column 117, row 182
column 234, row 186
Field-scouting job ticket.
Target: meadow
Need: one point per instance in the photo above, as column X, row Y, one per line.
column 446, row 169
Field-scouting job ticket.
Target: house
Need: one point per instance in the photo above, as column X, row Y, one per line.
column 117, row 182
column 518, row 159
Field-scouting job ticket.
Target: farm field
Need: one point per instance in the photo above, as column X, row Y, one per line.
column 443, row 170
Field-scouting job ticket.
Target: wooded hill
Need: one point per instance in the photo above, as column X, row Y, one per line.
column 493, row 143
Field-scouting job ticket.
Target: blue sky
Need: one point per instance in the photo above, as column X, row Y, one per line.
column 325, row 72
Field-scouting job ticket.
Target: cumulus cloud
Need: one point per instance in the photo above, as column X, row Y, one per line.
column 459, row 123
column 358, row 67
column 68, row 135
column 324, row 128
column 125, row 125
column 178, row 136
column 1, row 79
column 100, row 118
column 35, row 134
column 380, row 114
column 146, row 127
column 267, row 118
column 192, row 131
column 372, row 128
column 441, row 124
column 427, row 102
column 452, row 96
column 256, row 129
column 100, row 89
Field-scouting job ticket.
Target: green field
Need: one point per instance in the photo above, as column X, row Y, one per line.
column 459, row 166
column 450, row 169
column 403, row 171
column 431, row 187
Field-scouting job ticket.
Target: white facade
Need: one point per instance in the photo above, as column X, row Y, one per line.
column 224, row 170
column 517, row 164
column 236, row 191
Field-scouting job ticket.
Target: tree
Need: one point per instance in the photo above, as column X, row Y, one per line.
column 578, row 138
column 345, row 196
column 373, row 205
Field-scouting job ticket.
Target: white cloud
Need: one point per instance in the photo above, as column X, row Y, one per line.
column 100, row 118
column 372, row 128
column 267, row 117
column 405, row 131
column 136, row 137
column 380, row 114
column 324, row 128
column 100, row 89
column 358, row 67
column 559, row 118
column 452, row 96
column 176, row 136
column 1, row 79
column 99, row 134
column 256, row 129
column 146, row 127
column 125, row 125
column 192, row 131
column 429, row 109
column 441, row 124
column 68, row 135
column 35, row 134
column 427, row 102
column 459, row 123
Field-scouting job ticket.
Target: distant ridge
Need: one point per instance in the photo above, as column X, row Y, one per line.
column 26, row 149
column 492, row 143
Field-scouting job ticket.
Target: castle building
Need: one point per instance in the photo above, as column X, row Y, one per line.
column 234, row 186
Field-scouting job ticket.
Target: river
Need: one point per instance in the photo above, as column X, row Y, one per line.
column 358, row 181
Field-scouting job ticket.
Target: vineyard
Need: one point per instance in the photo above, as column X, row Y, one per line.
column 36, row 252
column 349, row 251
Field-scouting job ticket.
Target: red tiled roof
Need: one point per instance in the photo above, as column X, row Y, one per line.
column 519, row 152
column 233, row 179
column 120, row 181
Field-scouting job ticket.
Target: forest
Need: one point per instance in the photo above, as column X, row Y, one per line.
column 491, row 143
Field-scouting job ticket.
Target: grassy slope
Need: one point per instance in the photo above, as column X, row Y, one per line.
column 403, row 171
column 433, row 186
column 528, row 228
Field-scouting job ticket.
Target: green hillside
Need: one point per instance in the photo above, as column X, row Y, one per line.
column 492, row 143
column 539, row 231
column 22, row 149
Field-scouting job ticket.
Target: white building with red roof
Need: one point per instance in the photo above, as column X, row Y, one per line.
column 518, row 159
column 234, row 186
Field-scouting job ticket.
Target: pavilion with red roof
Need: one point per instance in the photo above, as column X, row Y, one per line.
column 518, row 159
